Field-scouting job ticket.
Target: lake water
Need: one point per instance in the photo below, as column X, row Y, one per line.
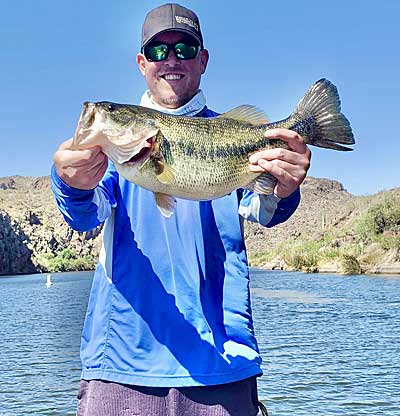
column 330, row 344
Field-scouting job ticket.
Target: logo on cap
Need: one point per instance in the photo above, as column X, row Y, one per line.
column 187, row 21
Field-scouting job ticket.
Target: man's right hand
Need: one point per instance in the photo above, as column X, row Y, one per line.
column 81, row 169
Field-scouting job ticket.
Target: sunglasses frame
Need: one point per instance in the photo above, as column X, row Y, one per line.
column 171, row 46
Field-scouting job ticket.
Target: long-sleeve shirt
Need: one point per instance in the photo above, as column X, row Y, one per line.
column 170, row 300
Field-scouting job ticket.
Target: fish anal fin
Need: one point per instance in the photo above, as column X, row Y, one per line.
column 165, row 203
column 263, row 184
column 247, row 114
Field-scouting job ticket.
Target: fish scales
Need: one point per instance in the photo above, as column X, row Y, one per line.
column 205, row 155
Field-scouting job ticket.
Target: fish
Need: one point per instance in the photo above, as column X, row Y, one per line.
column 205, row 158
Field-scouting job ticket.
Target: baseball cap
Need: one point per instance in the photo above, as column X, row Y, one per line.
column 170, row 16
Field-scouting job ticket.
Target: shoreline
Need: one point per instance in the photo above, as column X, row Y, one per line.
column 390, row 270
column 384, row 269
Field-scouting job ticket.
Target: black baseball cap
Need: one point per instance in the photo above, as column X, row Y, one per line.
column 171, row 16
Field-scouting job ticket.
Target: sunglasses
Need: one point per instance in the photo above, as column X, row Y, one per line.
column 159, row 51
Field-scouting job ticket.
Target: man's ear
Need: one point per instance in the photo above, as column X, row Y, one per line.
column 203, row 60
column 141, row 63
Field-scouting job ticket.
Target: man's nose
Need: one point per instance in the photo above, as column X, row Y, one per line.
column 171, row 58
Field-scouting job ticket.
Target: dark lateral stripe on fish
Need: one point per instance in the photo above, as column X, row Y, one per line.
column 218, row 152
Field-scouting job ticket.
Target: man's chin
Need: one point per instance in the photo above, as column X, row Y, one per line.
column 173, row 101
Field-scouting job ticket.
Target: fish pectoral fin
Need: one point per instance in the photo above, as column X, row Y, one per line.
column 165, row 203
column 263, row 184
column 166, row 174
column 247, row 114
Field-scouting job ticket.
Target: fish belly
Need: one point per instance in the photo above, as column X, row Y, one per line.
column 194, row 179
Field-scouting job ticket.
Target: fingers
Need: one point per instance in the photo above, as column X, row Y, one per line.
column 98, row 172
column 267, row 160
column 288, row 164
column 288, row 156
column 289, row 176
column 294, row 141
column 80, row 154
column 66, row 145
column 81, row 169
column 280, row 169
column 99, row 165
column 87, row 158
column 77, row 157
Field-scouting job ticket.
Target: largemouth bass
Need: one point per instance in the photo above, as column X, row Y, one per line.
column 204, row 158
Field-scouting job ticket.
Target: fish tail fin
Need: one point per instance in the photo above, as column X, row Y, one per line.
column 319, row 119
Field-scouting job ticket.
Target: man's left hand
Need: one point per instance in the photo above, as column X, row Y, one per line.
column 288, row 166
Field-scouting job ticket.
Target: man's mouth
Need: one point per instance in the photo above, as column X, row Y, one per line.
column 172, row 77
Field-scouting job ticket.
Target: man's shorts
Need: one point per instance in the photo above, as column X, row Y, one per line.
column 103, row 398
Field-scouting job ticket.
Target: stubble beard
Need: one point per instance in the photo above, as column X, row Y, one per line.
column 175, row 101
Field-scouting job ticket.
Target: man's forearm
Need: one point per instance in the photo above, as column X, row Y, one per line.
column 76, row 205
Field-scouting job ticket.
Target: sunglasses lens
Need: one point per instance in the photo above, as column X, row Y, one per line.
column 185, row 51
column 156, row 52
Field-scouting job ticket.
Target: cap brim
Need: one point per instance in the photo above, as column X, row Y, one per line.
column 187, row 32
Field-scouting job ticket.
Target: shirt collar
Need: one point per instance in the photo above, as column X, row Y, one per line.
column 191, row 108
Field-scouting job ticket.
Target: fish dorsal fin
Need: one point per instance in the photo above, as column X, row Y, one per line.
column 247, row 114
column 165, row 203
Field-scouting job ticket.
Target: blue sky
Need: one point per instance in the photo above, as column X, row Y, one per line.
column 57, row 54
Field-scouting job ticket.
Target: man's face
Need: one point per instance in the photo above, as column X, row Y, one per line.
column 173, row 82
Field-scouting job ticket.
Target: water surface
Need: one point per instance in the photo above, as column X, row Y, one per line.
column 330, row 344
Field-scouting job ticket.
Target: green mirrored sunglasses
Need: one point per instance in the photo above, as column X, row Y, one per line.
column 159, row 51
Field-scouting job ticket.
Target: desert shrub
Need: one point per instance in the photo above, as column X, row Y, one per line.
column 65, row 261
column 389, row 241
column 67, row 254
column 257, row 259
column 301, row 256
column 350, row 265
column 381, row 218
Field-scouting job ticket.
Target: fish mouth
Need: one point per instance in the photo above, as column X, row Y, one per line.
column 88, row 115
column 143, row 155
column 85, row 123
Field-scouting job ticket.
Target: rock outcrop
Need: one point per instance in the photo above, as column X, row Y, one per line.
column 32, row 230
column 15, row 256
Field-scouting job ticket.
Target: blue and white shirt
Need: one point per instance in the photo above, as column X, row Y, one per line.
column 170, row 300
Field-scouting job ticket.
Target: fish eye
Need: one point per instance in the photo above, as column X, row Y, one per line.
column 110, row 108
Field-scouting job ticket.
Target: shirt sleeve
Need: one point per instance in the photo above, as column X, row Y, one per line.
column 82, row 209
column 268, row 210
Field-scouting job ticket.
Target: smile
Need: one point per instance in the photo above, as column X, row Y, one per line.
column 172, row 77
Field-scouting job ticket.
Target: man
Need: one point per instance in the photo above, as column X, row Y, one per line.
column 169, row 328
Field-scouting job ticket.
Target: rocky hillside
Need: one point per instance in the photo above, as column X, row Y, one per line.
column 35, row 238
column 332, row 231
column 33, row 233
column 324, row 203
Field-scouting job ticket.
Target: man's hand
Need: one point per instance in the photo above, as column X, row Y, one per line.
column 288, row 166
column 81, row 169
